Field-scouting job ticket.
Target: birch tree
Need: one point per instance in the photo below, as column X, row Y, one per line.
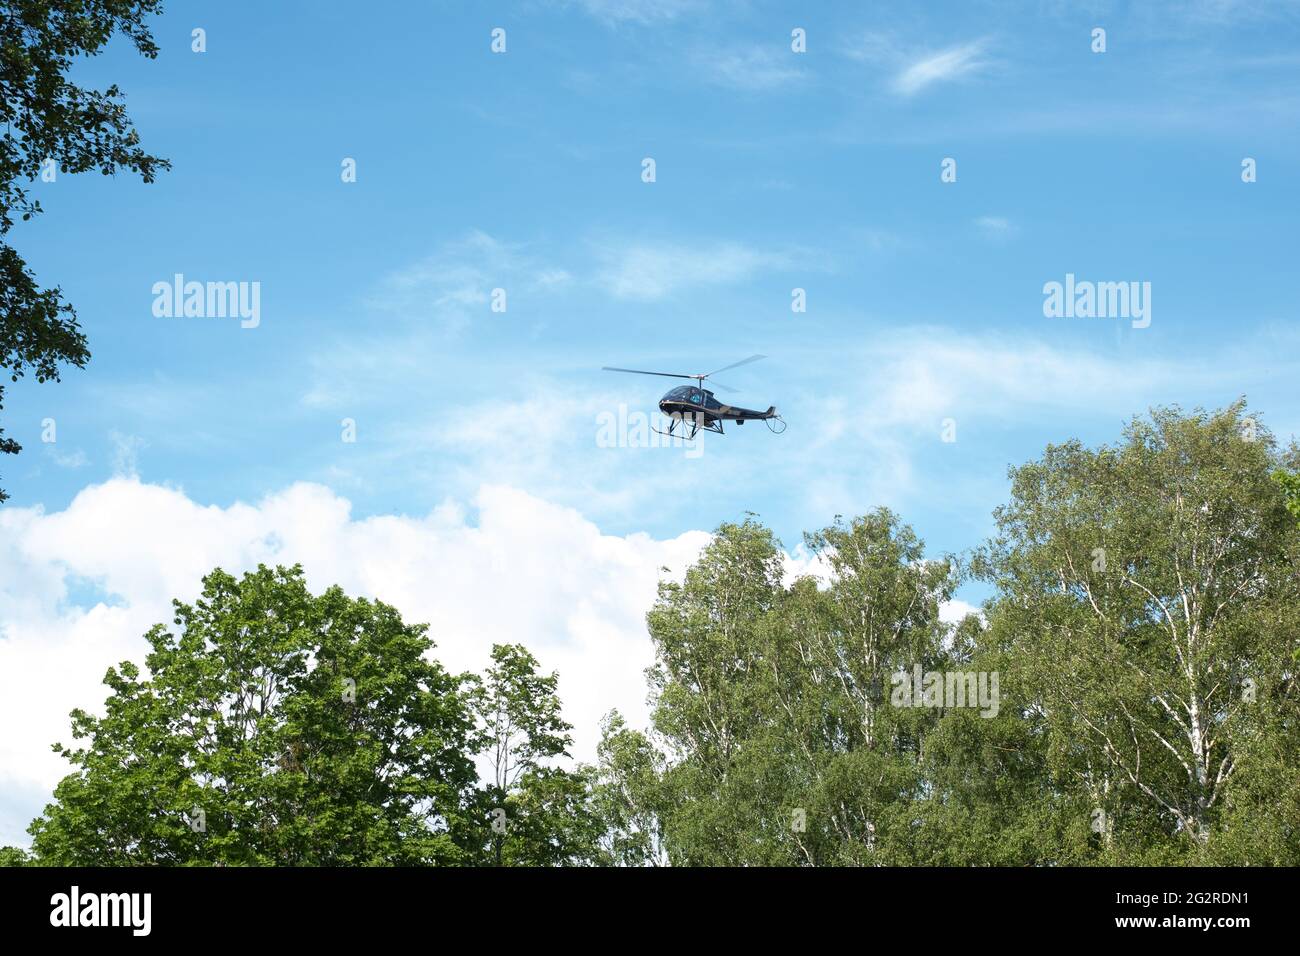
column 772, row 699
column 1144, row 590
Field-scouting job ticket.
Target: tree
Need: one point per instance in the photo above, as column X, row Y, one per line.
column 629, row 796
column 13, row 856
column 50, row 123
column 781, row 743
column 275, row 728
column 1289, row 482
column 1149, row 608
column 538, row 814
column 1144, row 633
column 993, row 799
column 709, row 703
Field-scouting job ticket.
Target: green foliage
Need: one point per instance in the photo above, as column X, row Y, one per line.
column 521, row 714
column 547, row 816
column 630, row 796
column 280, row 728
column 48, row 118
column 1289, row 481
column 551, row 821
column 1144, row 630
column 305, row 730
column 13, row 856
column 780, row 746
column 1147, row 604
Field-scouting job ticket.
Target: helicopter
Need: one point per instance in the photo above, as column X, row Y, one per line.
column 696, row 406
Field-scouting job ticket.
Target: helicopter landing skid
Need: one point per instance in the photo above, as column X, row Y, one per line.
column 695, row 427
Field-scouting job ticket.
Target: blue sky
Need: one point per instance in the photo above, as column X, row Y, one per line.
column 775, row 170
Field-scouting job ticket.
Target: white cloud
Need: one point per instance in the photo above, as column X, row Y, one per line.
column 526, row 571
column 416, row 311
column 954, row 611
column 877, row 46
column 456, row 280
column 996, row 228
column 923, row 376
column 934, row 68
column 514, row 568
column 752, row 70
column 638, row 11
column 552, row 278
column 343, row 374
column 459, row 277
column 653, row 270
column 73, row 459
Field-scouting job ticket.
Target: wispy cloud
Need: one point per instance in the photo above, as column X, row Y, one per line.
column 427, row 307
column 1220, row 12
column 756, row 70
column 421, row 308
column 925, row 375
column 639, row 11
column 459, row 278
column 126, row 454
column 949, row 64
column 996, row 227
column 74, row 459
column 649, row 271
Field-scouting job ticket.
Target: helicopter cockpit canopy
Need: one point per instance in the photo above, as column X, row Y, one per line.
column 694, row 395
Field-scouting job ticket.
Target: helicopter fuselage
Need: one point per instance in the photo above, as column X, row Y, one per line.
column 693, row 403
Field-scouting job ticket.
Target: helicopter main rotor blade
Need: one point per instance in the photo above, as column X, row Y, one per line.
column 752, row 358
column 637, row 371
column 725, row 388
